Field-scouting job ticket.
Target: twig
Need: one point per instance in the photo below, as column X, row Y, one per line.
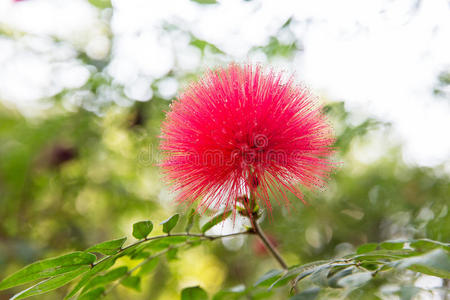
column 187, row 234
column 269, row 245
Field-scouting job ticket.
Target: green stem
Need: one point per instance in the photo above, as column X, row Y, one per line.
column 253, row 216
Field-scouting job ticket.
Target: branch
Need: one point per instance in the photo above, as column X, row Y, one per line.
column 200, row 235
column 269, row 246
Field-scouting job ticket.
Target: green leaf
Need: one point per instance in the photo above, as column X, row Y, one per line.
column 101, row 266
column 426, row 245
column 234, row 293
column 47, row 268
column 94, row 294
column 300, row 276
column 102, row 280
column 268, row 278
column 371, row 265
column 333, row 279
column 355, row 280
column 163, row 243
column 129, row 250
column 392, row 245
column 297, row 271
column 366, row 248
column 170, row 223
column 435, row 263
column 148, row 266
column 205, row 1
column 320, row 275
column 172, row 254
column 190, row 221
column 194, row 293
column 383, row 254
column 215, row 220
column 134, row 251
column 133, row 282
column 142, row 229
column 174, row 239
column 101, row 3
column 140, row 255
column 309, row 294
column 109, row 247
column 202, row 45
column 51, row 283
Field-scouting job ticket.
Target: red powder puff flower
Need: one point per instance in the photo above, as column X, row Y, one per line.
column 241, row 131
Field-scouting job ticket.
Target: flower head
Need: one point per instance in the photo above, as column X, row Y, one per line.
column 241, row 131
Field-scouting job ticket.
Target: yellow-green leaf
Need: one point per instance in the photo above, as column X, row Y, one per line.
column 47, row 268
column 142, row 229
column 170, row 223
column 109, row 247
column 216, row 220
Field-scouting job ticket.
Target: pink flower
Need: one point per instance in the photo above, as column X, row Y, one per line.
column 243, row 131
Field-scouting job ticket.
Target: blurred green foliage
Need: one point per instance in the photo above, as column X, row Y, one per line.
column 70, row 179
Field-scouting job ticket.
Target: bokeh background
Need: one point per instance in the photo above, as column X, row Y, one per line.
column 83, row 90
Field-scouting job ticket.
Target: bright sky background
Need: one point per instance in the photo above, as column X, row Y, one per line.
column 381, row 57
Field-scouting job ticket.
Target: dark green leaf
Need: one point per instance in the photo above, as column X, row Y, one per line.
column 109, row 247
column 309, row 294
column 366, row 248
column 268, row 278
column 133, row 282
column 170, row 223
column 51, row 283
column 93, row 294
column 215, row 220
column 194, row 293
column 190, row 221
column 142, row 229
column 101, row 266
column 47, row 268
column 148, row 266
column 101, row 280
